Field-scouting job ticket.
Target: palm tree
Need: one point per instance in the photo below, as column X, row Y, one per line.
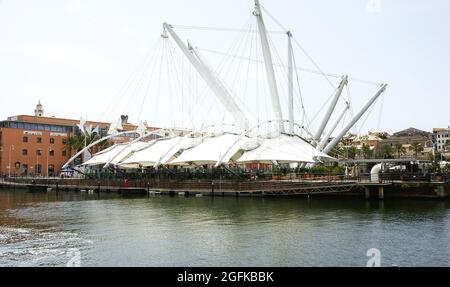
column 337, row 151
column 447, row 145
column 352, row 152
column 366, row 151
column 386, row 151
column 74, row 143
column 416, row 147
column 399, row 149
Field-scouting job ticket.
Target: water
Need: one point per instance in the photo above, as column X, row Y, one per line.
column 49, row 229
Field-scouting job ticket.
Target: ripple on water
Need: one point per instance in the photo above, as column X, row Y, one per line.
column 37, row 247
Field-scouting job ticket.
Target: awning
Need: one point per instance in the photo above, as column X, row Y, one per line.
column 284, row 149
column 210, row 150
column 114, row 153
column 158, row 151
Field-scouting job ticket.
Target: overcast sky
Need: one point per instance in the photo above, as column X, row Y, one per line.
column 75, row 55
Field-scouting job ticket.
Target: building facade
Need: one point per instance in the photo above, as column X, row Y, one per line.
column 440, row 137
column 37, row 145
column 407, row 138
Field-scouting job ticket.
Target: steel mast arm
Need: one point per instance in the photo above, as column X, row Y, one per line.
column 338, row 138
column 290, row 84
column 324, row 140
column 269, row 66
column 94, row 143
column 213, row 82
column 331, row 108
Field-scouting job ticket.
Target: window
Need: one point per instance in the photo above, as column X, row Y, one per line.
column 52, row 153
column 24, row 169
column 24, row 152
column 37, row 169
column 52, row 140
column 38, row 152
column 64, row 153
column 51, row 170
column 64, row 141
column 39, row 140
column 25, row 139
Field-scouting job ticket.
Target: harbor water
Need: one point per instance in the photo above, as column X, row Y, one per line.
column 90, row 229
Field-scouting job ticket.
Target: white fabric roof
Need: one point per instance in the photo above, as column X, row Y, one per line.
column 209, row 151
column 161, row 151
column 284, row 149
column 119, row 151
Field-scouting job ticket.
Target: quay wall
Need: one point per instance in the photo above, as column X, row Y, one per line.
column 398, row 189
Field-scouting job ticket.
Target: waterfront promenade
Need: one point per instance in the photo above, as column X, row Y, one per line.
column 258, row 188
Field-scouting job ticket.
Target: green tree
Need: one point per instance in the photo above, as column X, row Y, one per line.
column 366, row 151
column 75, row 143
column 337, row 151
column 399, row 149
column 352, row 152
column 386, row 151
column 416, row 147
column 447, row 145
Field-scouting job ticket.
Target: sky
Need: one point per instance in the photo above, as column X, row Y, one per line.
column 75, row 56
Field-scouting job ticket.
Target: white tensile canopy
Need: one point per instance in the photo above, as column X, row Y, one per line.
column 156, row 152
column 283, row 149
column 114, row 153
column 210, row 151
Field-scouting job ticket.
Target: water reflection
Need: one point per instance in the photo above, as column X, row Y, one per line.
column 109, row 230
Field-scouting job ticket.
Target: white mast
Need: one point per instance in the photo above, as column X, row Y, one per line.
column 290, row 85
column 324, row 140
column 338, row 138
column 212, row 81
column 331, row 108
column 269, row 66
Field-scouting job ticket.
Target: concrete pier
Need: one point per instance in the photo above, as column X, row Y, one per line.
column 367, row 192
column 264, row 188
column 372, row 187
column 381, row 192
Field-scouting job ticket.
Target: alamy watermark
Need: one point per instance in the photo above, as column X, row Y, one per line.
column 74, row 256
column 373, row 6
column 374, row 255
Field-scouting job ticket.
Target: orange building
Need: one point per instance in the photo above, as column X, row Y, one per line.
column 36, row 145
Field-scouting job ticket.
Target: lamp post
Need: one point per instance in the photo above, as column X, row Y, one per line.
column 37, row 163
column 46, row 171
column 11, row 148
column 48, row 154
column 432, row 150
